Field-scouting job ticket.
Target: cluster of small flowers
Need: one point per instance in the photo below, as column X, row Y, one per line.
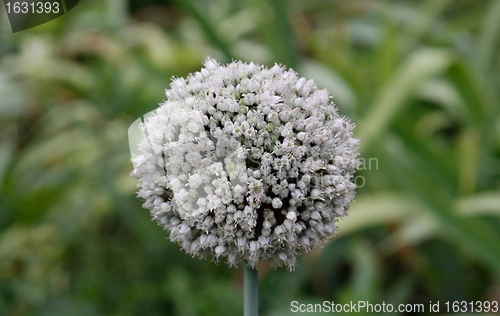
column 247, row 162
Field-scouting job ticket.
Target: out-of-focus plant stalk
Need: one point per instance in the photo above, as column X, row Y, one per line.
column 251, row 292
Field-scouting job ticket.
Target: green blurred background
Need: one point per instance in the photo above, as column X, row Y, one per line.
column 421, row 80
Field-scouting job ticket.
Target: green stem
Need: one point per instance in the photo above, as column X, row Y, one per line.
column 251, row 292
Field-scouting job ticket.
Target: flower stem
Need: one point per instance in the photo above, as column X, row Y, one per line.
column 251, row 292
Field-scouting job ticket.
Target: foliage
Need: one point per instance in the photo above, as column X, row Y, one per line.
column 419, row 78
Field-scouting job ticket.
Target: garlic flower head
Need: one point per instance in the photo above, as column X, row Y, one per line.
column 244, row 161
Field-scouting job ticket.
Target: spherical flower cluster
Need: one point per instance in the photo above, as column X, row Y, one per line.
column 247, row 162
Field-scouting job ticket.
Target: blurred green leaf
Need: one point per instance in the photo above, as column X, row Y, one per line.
column 487, row 203
column 392, row 97
column 277, row 32
column 382, row 208
column 366, row 276
column 207, row 26
column 488, row 43
column 426, row 18
column 479, row 238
